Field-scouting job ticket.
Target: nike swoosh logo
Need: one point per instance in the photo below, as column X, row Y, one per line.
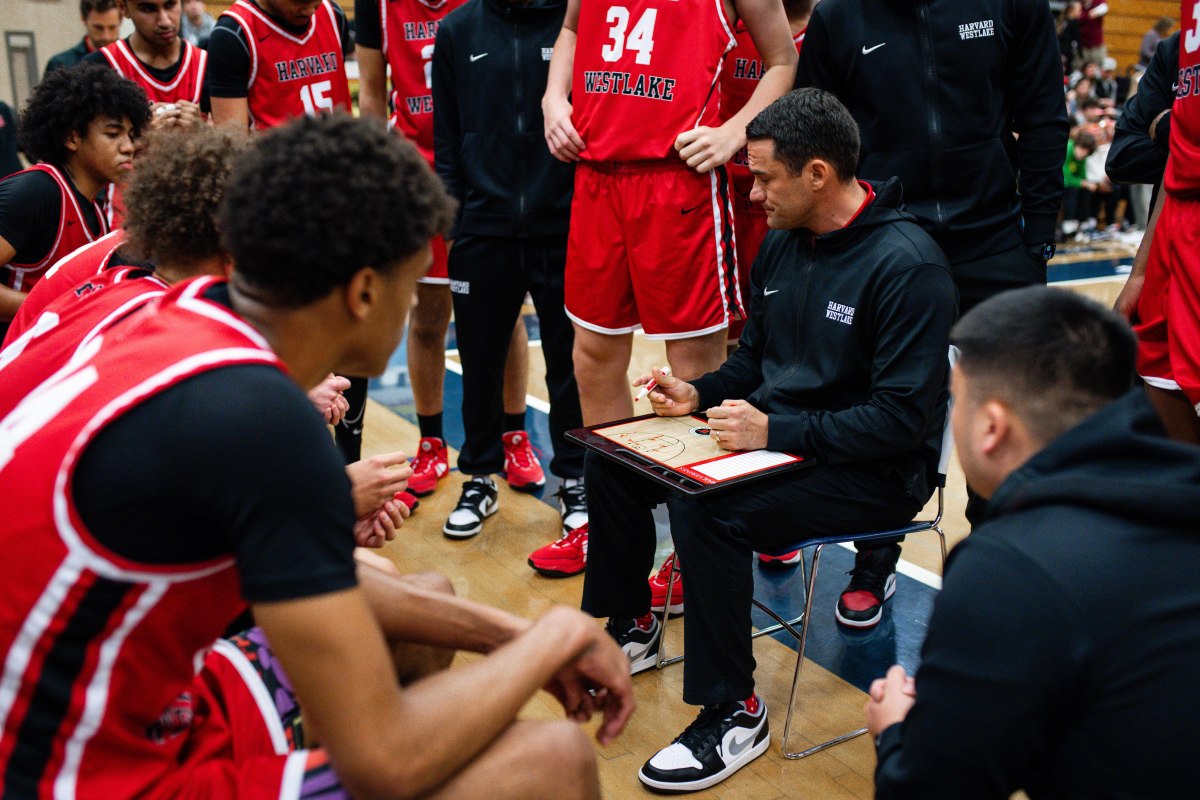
column 736, row 748
column 690, row 210
column 476, row 58
column 769, row 292
column 868, row 50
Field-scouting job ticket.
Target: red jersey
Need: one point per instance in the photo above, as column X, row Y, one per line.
column 72, row 320
column 65, row 275
column 99, row 651
column 1183, row 167
column 188, row 82
column 73, row 233
column 646, row 71
column 409, row 30
column 743, row 70
column 289, row 75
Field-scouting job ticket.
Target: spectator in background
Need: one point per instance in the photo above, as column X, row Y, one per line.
column 1106, row 87
column 1153, row 37
column 197, row 23
column 10, row 161
column 1067, row 27
column 1091, row 31
column 102, row 25
column 1077, row 190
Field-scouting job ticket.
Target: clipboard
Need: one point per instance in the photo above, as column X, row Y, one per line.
column 679, row 453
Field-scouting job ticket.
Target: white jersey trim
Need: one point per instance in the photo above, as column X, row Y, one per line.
column 258, row 690
column 293, row 775
column 96, row 697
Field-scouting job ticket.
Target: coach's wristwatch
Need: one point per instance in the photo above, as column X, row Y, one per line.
column 1044, row 251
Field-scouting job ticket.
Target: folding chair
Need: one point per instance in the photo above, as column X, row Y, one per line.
column 809, row 578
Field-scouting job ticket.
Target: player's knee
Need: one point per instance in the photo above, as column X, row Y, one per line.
column 430, row 582
column 564, row 745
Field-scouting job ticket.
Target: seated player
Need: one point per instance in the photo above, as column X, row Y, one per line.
column 79, row 126
column 843, row 358
column 1068, row 629
column 154, row 424
column 172, row 235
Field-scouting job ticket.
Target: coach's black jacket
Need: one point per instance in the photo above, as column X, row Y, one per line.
column 938, row 87
column 490, row 64
column 1061, row 655
column 845, row 348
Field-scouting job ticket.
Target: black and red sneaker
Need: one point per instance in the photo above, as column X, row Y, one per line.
column 872, row 582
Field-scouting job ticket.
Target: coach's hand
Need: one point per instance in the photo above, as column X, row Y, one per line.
column 737, row 425
column 671, row 397
column 374, row 481
column 564, row 141
column 708, row 148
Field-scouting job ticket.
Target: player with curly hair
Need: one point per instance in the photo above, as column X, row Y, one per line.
column 79, row 126
column 122, row 578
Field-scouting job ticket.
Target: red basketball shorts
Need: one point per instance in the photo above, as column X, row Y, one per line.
column 651, row 245
column 750, row 227
column 437, row 270
column 1168, row 310
column 246, row 736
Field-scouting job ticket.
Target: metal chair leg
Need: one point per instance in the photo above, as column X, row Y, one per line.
column 662, row 660
column 803, row 641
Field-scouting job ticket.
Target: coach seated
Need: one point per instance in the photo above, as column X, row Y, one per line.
column 843, row 359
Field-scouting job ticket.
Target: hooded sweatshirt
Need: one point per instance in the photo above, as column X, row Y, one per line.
column 1063, row 650
column 845, row 345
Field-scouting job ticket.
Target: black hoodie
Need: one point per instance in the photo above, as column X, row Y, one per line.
column 489, row 73
column 1064, row 648
column 938, row 87
column 845, row 345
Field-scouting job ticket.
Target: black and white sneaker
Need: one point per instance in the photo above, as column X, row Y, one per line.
column 477, row 503
column 722, row 740
column 572, row 504
column 640, row 645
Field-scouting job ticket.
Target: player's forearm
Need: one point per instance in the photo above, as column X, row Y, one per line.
column 410, row 614
column 372, row 84
column 489, row 692
column 231, row 111
column 562, row 65
column 10, row 303
column 1142, row 258
column 776, row 82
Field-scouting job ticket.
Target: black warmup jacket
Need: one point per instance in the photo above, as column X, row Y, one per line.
column 846, row 342
column 938, row 87
column 1133, row 156
column 1063, row 648
column 490, row 64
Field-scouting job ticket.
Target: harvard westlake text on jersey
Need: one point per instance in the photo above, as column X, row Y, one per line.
column 649, row 86
column 298, row 68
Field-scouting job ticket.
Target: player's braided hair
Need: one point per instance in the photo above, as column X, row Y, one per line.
column 66, row 102
column 174, row 195
column 316, row 200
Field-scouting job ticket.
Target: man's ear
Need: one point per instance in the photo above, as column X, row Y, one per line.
column 997, row 423
column 362, row 293
column 72, row 141
column 819, row 174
